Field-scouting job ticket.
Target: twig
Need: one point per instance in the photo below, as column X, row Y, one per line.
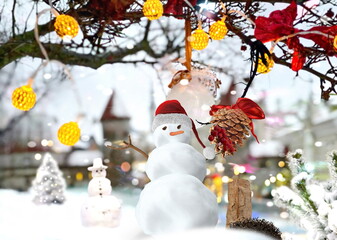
column 13, row 18
column 127, row 145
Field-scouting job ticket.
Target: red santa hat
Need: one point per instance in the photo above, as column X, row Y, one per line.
column 171, row 111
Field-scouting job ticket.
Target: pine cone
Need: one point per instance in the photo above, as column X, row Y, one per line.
column 231, row 127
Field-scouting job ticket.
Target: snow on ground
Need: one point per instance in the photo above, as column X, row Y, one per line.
column 21, row 219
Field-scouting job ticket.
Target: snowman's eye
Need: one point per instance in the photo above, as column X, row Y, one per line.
column 179, row 126
column 96, row 170
column 164, row 128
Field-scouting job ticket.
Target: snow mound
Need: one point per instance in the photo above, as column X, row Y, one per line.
column 214, row 233
column 101, row 211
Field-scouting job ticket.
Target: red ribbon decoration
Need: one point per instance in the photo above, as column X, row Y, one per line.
column 175, row 7
column 280, row 23
column 249, row 107
column 114, row 9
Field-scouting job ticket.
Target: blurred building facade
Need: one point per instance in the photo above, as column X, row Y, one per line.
column 115, row 128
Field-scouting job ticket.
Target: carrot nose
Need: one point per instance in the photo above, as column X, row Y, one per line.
column 176, row 133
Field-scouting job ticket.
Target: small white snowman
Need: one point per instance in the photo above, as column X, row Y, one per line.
column 101, row 208
column 175, row 199
column 99, row 185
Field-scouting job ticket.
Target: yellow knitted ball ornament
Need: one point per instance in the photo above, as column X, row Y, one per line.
column 262, row 68
column 199, row 39
column 24, row 98
column 218, row 30
column 335, row 43
column 153, row 9
column 69, row 133
column 66, row 26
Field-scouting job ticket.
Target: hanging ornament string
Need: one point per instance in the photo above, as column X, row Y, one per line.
column 218, row 30
column 188, row 47
column 45, row 54
column 274, row 43
column 189, row 4
column 36, row 33
column 196, row 12
column 242, row 15
column 223, row 6
column 66, row 27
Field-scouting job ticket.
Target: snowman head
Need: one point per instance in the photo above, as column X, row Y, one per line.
column 171, row 132
column 98, row 169
column 171, row 124
column 98, row 172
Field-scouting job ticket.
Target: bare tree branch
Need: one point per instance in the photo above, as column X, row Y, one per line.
column 122, row 145
column 310, row 70
column 19, row 47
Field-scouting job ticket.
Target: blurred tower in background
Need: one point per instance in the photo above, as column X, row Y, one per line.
column 230, row 96
column 116, row 128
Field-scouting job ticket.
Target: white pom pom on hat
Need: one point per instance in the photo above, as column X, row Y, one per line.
column 171, row 111
column 208, row 152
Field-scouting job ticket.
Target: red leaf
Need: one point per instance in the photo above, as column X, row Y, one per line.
column 278, row 24
column 298, row 59
column 293, row 43
column 323, row 41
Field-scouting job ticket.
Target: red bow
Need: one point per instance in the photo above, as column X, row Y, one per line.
column 249, row 107
column 281, row 23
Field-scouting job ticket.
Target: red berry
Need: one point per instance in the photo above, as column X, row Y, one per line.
column 330, row 13
column 210, row 138
column 214, row 133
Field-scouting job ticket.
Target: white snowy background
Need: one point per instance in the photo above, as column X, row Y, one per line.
column 20, row 218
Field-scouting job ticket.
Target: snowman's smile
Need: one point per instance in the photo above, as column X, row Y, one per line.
column 176, row 133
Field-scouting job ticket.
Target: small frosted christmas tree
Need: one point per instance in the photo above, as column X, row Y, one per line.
column 49, row 184
column 312, row 203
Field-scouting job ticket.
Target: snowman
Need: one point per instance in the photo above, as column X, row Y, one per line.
column 100, row 209
column 99, row 185
column 175, row 199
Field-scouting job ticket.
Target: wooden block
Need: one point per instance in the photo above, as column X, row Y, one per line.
column 239, row 201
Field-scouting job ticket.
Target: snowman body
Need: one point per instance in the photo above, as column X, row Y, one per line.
column 100, row 209
column 174, row 203
column 175, row 199
column 175, row 157
column 99, row 186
